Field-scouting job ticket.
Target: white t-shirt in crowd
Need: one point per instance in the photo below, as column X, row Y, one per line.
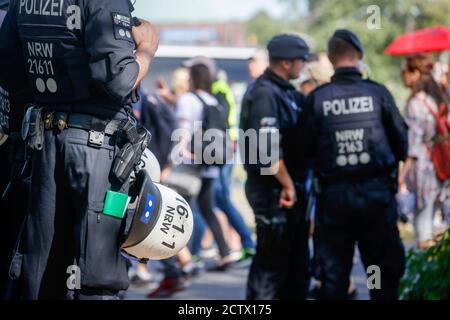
column 189, row 110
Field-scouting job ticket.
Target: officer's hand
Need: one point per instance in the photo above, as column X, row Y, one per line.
column 146, row 35
column 288, row 197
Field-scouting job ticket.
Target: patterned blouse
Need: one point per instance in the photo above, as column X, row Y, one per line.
column 422, row 179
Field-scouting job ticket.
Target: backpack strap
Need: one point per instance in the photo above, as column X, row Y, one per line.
column 203, row 102
column 435, row 114
column 430, row 109
column 200, row 98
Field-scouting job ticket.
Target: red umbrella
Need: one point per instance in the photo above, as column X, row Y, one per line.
column 425, row 40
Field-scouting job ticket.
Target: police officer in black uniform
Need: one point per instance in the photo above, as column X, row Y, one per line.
column 356, row 137
column 14, row 183
column 271, row 106
column 78, row 57
column 5, row 108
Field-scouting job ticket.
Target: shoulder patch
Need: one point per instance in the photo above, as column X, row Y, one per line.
column 122, row 26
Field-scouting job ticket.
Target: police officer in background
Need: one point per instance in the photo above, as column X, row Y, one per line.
column 356, row 137
column 83, row 60
column 280, row 268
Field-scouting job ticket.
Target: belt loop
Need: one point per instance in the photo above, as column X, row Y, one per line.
column 96, row 138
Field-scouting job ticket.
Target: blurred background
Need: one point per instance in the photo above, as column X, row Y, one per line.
column 229, row 31
column 234, row 31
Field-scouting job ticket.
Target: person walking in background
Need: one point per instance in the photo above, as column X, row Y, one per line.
column 180, row 86
column 158, row 115
column 180, row 82
column 314, row 75
column 222, row 91
column 222, row 196
column 257, row 64
column 418, row 174
column 190, row 110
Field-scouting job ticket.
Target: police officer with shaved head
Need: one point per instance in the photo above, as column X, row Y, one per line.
column 276, row 189
column 353, row 131
column 83, row 61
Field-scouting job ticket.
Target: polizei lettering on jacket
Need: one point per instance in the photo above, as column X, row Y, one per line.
column 42, row 7
column 340, row 107
column 52, row 8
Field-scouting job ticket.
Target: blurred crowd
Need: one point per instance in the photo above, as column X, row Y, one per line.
column 219, row 229
column 326, row 160
column 222, row 237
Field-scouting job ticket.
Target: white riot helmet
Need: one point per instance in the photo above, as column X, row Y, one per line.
column 150, row 164
column 161, row 221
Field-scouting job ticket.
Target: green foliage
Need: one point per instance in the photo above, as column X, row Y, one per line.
column 427, row 274
column 262, row 27
column 324, row 16
column 397, row 17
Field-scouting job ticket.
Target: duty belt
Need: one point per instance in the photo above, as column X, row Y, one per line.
column 97, row 127
column 62, row 120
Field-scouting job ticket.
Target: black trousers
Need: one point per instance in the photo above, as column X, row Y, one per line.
column 66, row 228
column 362, row 214
column 206, row 206
column 281, row 266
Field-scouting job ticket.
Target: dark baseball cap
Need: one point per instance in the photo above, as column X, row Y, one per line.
column 349, row 37
column 287, row 46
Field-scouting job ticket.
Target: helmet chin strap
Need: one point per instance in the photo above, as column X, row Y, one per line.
column 132, row 258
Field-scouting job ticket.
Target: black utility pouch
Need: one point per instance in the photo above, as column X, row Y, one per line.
column 33, row 128
column 15, row 267
column 130, row 155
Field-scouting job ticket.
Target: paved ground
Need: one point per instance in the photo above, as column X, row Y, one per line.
column 229, row 285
